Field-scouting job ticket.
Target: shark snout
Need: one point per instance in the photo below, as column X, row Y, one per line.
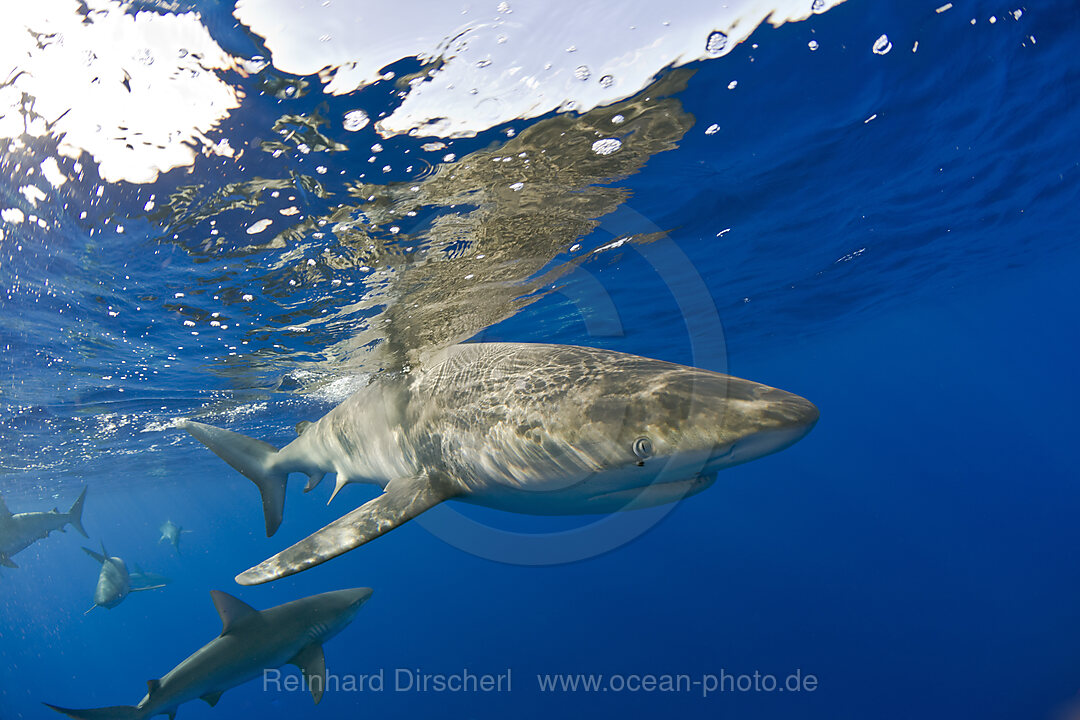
column 360, row 595
column 780, row 420
column 352, row 600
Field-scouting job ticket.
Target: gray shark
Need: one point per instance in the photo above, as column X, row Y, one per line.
column 170, row 532
column 140, row 579
column 114, row 581
column 251, row 641
column 21, row 530
column 528, row 428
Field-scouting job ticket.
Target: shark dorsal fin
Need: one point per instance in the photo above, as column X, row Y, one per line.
column 152, row 686
column 100, row 558
column 212, row 698
column 231, row 609
column 312, row 664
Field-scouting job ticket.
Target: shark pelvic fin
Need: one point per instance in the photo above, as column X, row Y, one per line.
column 7, row 562
column 152, row 686
column 118, row 712
column 302, row 426
column 74, row 515
column 404, row 499
column 312, row 664
column 212, row 698
column 231, row 609
column 339, row 483
column 254, row 459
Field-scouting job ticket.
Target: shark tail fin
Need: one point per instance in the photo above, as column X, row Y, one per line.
column 74, row 515
column 252, row 458
column 117, row 712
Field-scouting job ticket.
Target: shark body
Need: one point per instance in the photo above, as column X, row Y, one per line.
column 170, row 532
column 114, row 581
column 21, row 530
column 250, row 642
column 528, row 428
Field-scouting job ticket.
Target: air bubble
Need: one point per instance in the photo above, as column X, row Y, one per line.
column 355, row 120
column 582, row 72
column 712, row 129
column 882, row 45
column 817, row 6
column 607, row 81
column 813, row 45
column 716, row 43
column 606, row 146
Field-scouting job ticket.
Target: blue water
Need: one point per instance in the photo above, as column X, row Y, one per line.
column 912, row 274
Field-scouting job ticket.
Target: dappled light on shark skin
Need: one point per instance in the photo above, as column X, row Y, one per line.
column 528, row 428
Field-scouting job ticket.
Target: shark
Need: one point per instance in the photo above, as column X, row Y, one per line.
column 114, row 581
column 141, row 579
column 170, row 532
column 21, row 530
column 524, row 427
column 250, row 642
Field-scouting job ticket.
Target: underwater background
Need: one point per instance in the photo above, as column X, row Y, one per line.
column 885, row 228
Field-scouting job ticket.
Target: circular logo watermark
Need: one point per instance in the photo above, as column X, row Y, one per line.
column 599, row 312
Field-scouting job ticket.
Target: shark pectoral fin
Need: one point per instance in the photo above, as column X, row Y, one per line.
column 403, row 500
column 212, row 698
column 4, row 512
column 231, row 609
column 148, row 587
column 312, row 664
column 97, row 556
column 7, row 562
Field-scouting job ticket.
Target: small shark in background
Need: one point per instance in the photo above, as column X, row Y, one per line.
column 529, row 428
column 251, row 641
column 114, row 581
column 142, row 580
column 170, row 532
column 21, row 530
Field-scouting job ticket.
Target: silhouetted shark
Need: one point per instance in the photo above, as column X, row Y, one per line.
column 251, row 641
column 21, row 530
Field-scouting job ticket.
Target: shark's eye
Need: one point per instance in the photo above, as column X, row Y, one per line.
column 643, row 447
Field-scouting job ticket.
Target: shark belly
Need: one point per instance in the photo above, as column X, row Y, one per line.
column 223, row 663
